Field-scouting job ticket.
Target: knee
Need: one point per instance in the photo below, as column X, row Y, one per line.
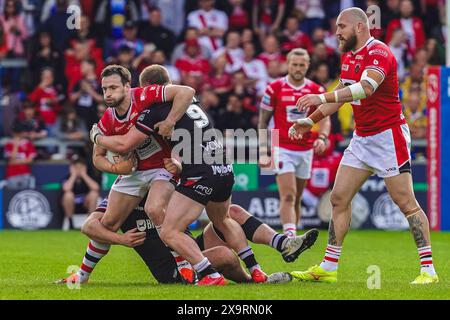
column 237, row 213
column 167, row 235
column 228, row 259
column 289, row 197
column 405, row 202
column 338, row 199
column 156, row 213
column 68, row 196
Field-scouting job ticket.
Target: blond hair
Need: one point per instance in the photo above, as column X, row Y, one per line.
column 299, row 52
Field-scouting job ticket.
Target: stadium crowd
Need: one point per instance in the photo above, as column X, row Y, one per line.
column 227, row 50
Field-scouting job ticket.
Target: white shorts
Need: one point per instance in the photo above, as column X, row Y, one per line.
column 386, row 154
column 138, row 183
column 298, row 162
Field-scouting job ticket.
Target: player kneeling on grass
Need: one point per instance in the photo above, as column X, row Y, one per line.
column 158, row 258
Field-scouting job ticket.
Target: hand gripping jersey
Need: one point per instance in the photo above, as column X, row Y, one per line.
column 382, row 110
column 151, row 152
column 281, row 98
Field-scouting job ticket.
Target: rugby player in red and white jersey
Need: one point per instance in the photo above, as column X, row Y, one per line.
column 380, row 144
column 125, row 104
column 293, row 158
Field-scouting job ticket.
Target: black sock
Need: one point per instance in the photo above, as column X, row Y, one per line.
column 278, row 241
column 248, row 257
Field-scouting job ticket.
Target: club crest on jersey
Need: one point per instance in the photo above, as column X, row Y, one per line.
column 143, row 95
column 345, row 67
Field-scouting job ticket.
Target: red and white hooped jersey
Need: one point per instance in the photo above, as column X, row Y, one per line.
column 281, row 98
column 151, row 152
column 215, row 19
column 382, row 110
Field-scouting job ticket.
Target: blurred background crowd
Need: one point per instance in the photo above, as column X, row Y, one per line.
column 228, row 50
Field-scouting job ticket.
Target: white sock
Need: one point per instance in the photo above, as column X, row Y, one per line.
column 290, row 230
column 426, row 260
column 331, row 259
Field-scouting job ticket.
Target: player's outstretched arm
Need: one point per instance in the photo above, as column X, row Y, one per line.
column 94, row 229
column 369, row 83
column 182, row 98
column 122, row 144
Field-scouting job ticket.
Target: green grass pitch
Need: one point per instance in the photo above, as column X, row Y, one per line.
column 31, row 261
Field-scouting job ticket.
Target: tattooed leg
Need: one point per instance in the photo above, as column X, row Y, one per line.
column 419, row 226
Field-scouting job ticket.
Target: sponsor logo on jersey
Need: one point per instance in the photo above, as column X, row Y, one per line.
column 357, row 68
column 222, row 169
column 287, row 98
column 203, row 190
column 359, row 57
column 144, row 224
column 378, row 51
column 214, row 145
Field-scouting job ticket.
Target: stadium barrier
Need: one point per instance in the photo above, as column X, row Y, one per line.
column 438, row 94
column 372, row 207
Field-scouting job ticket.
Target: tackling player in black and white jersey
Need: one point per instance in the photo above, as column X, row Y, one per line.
column 202, row 185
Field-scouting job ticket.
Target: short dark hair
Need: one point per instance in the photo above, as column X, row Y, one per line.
column 115, row 69
column 154, row 74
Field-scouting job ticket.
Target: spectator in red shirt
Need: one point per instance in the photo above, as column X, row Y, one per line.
column 239, row 18
column 272, row 52
column 294, row 38
column 220, row 81
column 45, row 99
column 193, row 64
column 82, row 50
column 19, row 154
column 412, row 26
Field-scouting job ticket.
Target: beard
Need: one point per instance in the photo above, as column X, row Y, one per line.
column 115, row 103
column 297, row 76
column 349, row 44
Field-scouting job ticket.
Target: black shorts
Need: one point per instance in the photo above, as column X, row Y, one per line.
column 204, row 183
